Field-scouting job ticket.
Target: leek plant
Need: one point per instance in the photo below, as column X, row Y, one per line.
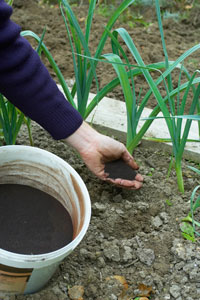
column 10, row 2
column 171, row 110
column 135, row 106
column 10, row 122
column 189, row 224
column 84, row 65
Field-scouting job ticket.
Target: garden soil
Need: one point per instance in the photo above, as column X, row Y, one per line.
column 134, row 245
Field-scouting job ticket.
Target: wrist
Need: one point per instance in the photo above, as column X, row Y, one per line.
column 82, row 138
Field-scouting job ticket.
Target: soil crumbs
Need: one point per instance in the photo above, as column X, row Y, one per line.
column 134, row 246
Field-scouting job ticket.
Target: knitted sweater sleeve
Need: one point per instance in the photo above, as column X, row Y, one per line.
column 26, row 82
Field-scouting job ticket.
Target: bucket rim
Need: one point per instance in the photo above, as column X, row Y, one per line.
column 66, row 250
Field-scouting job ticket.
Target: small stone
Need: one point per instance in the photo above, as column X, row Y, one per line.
column 142, row 206
column 164, row 216
column 118, row 198
column 119, row 211
column 127, row 255
column 101, row 262
column 175, row 291
column 179, row 265
column 179, row 250
column 83, row 252
column 167, row 297
column 146, row 256
column 184, row 280
column 157, row 222
column 98, row 208
column 111, row 251
column 76, row 292
column 128, row 205
column 104, row 196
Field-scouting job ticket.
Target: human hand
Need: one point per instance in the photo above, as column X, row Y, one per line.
column 97, row 149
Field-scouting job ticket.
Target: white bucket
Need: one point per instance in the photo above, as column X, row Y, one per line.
column 24, row 274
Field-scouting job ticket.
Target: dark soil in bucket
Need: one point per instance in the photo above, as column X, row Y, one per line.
column 31, row 221
column 119, row 169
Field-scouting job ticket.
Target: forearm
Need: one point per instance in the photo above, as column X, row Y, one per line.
column 26, row 82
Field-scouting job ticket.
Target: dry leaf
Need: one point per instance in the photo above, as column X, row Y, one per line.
column 145, row 291
column 123, row 282
column 81, row 19
column 76, row 292
column 188, row 6
column 121, row 279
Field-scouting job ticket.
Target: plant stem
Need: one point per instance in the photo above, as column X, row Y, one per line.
column 179, row 175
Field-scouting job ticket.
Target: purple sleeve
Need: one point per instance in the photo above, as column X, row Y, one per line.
column 26, row 82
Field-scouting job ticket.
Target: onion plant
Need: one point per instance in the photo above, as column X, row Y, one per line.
column 195, row 203
column 10, row 121
column 10, row 2
column 190, row 224
column 135, row 107
column 166, row 104
column 84, row 66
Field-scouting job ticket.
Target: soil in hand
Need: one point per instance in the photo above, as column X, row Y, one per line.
column 119, row 169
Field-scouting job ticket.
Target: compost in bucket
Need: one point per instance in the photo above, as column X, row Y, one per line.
column 32, row 221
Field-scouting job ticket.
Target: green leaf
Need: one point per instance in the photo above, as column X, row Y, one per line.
column 188, row 237
column 168, row 202
column 187, row 228
column 53, row 65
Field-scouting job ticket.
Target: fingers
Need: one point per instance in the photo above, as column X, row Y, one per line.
column 123, row 183
column 139, row 177
column 133, row 185
column 130, row 160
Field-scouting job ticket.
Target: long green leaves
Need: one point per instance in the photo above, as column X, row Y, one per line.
column 10, row 121
column 10, row 2
column 143, row 68
column 165, row 104
column 189, row 230
column 52, row 63
column 83, row 64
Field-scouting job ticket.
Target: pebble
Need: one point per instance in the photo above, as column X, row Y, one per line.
column 98, row 208
column 146, row 256
column 175, row 291
column 142, row 206
column 127, row 254
column 167, row 297
column 118, row 198
column 164, row 216
column 111, row 251
column 156, row 222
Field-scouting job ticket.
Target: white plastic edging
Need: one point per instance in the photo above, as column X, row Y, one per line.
column 111, row 113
